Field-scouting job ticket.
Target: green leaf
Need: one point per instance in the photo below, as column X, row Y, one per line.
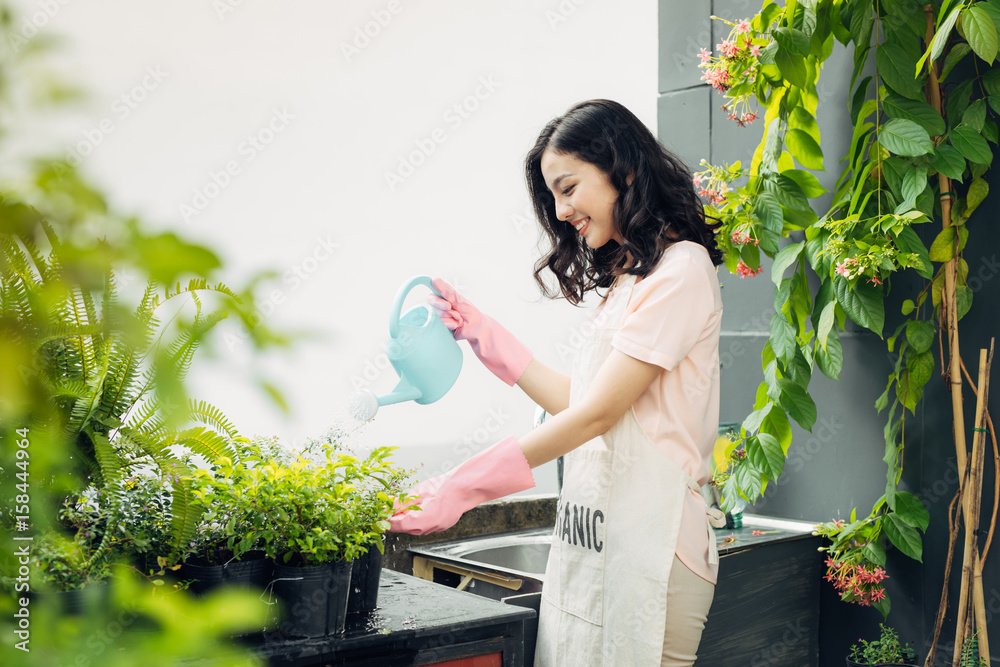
column 782, row 337
column 767, row 209
column 975, row 115
column 980, row 32
column 908, row 241
column 754, row 420
column 991, row 82
column 797, row 403
column 943, row 247
column 749, row 481
column 905, row 537
column 948, row 161
column 920, row 335
column 963, row 295
column 800, row 119
column 943, row 33
column 978, row 190
column 914, row 183
column 874, row 553
column 808, row 183
column 863, row 304
column 918, row 111
column 767, row 455
column 896, row 69
column 904, row 137
column 776, row 423
column 971, row 144
column 830, row 358
column 861, row 22
column 804, row 149
column 955, row 54
column 958, row 100
column 826, row 320
column 794, row 41
column 910, row 509
column 785, row 258
column 793, row 67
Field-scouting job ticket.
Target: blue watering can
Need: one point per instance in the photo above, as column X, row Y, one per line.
column 423, row 352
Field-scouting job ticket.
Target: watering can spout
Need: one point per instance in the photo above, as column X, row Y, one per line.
column 402, row 392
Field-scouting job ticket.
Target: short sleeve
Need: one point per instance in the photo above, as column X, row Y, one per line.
column 670, row 310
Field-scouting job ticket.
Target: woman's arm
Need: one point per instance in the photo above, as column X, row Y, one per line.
column 617, row 385
column 545, row 386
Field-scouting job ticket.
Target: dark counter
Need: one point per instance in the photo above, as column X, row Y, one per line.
column 417, row 622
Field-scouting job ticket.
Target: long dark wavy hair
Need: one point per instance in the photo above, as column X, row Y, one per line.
column 659, row 208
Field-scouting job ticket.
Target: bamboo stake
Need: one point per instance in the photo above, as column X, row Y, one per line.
column 948, row 302
column 971, row 503
column 996, row 461
column 951, row 271
column 979, row 447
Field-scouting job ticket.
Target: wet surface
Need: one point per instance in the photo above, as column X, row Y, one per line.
column 760, row 530
column 408, row 607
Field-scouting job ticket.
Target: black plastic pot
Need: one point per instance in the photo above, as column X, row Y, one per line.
column 365, row 575
column 253, row 572
column 314, row 598
column 77, row 602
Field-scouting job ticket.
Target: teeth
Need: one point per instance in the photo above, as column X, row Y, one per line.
column 579, row 226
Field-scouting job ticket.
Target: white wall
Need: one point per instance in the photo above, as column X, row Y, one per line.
column 344, row 109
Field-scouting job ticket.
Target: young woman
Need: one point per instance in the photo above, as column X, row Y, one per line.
column 633, row 564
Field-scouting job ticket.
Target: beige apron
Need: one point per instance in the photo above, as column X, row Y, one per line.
column 619, row 514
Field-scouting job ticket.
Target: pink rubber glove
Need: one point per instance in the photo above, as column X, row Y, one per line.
column 504, row 355
column 490, row 474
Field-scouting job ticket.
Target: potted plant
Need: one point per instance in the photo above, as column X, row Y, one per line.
column 225, row 549
column 886, row 650
column 315, row 516
column 67, row 564
column 378, row 487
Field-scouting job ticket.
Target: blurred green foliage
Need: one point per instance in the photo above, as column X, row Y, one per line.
column 99, row 320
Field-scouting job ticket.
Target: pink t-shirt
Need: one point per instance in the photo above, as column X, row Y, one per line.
column 673, row 320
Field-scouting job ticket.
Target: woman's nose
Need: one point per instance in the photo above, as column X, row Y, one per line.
column 564, row 211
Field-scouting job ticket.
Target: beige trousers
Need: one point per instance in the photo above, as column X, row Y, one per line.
column 689, row 598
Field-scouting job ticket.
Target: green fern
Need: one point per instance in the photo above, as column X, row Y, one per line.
column 95, row 359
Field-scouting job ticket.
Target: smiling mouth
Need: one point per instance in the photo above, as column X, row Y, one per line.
column 581, row 225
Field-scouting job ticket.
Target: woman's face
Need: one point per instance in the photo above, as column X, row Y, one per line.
column 584, row 197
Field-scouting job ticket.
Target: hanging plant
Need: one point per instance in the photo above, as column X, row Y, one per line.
column 916, row 155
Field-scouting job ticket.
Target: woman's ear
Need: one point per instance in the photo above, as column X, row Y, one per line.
column 630, row 178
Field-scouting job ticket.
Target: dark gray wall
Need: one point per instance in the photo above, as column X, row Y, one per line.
column 839, row 465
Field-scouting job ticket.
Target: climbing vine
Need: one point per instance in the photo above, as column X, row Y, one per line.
column 923, row 124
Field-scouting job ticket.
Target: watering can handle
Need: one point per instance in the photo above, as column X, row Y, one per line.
column 397, row 305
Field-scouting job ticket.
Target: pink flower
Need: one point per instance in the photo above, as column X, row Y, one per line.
column 705, row 55
column 842, row 269
column 743, row 26
column 697, row 180
column 754, row 50
column 875, row 280
column 728, row 48
column 745, row 271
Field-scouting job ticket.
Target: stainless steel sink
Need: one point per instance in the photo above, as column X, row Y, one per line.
column 521, row 554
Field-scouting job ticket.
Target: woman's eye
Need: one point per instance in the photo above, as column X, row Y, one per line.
column 568, row 190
